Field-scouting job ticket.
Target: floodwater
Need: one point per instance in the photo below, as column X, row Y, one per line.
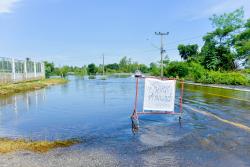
column 97, row 113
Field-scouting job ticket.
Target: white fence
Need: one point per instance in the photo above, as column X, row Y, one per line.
column 12, row 70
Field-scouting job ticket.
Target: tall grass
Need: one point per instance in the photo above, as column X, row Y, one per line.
column 6, row 89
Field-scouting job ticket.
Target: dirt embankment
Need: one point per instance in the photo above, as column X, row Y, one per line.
column 6, row 89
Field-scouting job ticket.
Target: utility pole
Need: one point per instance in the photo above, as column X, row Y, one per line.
column 161, row 49
column 103, row 64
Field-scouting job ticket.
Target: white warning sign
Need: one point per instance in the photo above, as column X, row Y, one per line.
column 159, row 95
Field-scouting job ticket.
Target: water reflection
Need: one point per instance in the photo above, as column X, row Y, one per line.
column 15, row 107
column 104, row 93
column 22, row 102
column 66, row 110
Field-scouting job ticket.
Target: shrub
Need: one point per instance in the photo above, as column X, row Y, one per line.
column 176, row 69
column 154, row 69
column 110, row 71
column 228, row 78
column 196, row 71
column 246, row 71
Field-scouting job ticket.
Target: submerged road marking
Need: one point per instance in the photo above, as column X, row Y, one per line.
column 228, row 97
column 218, row 86
column 222, row 96
column 241, row 126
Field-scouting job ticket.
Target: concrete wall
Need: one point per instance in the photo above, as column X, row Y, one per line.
column 5, row 77
column 11, row 74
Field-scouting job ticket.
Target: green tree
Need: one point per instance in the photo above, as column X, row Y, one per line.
column 100, row 69
column 92, row 69
column 80, row 71
column 64, row 71
column 113, row 66
column 143, row 68
column 208, row 51
column 188, row 52
column 247, row 64
column 154, row 69
column 176, row 69
column 218, row 48
column 123, row 64
column 49, row 69
column 242, row 44
column 233, row 19
column 133, row 67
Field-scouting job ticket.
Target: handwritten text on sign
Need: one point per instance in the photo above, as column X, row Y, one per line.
column 159, row 95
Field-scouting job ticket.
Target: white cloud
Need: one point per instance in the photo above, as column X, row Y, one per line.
column 225, row 6
column 6, row 6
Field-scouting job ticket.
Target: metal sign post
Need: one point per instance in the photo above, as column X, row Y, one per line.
column 159, row 97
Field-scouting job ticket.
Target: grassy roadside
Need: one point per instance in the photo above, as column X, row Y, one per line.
column 11, row 145
column 195, row 72
column 6, row 89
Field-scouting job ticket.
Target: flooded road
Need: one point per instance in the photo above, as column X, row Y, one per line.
column 214, row 129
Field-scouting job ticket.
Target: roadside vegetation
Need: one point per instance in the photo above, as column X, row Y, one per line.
column 224, row 57
column 195, row 72
column 10, row 145
column 7, row 89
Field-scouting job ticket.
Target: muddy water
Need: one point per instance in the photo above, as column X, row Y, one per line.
column 97, row 112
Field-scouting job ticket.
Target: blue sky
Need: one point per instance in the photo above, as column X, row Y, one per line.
column 77, row 32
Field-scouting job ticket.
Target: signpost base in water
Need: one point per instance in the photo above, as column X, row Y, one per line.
column 159, row 98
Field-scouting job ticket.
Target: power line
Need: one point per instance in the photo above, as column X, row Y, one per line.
column 186, row 39
column 171, row 49
column 152, row 44
column 177, row 41
column 143, row 51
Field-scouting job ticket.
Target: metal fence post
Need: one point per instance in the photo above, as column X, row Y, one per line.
column 43, row 69
column 25, row 70
column 34, row 69
column 13, row 70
